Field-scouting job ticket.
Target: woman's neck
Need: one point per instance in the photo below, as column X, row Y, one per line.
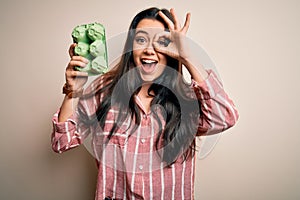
column 143, row 93
column 145, row 97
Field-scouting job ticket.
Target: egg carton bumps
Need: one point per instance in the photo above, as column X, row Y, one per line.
column 91, row 44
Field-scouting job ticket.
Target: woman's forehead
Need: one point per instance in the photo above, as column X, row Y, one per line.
column 149, row 27
column 150, row 23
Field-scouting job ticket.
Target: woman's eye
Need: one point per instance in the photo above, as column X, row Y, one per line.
column 164, row 42
column 140, row 40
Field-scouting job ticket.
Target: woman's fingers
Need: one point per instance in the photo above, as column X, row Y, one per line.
column 77, row 74
column 177, row 25
column 71, row 50
column 186, row 23
column 77, row 61
column 74, row 78
column 163, row 43
column 167, row 20
column 80, row 58
column 74, row 63
column 173, row 43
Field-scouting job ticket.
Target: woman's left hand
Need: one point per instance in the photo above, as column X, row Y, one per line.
column 173, row 43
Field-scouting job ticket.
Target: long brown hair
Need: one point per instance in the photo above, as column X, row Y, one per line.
column 170, row 92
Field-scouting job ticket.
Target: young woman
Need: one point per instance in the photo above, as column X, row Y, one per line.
column 141, row 117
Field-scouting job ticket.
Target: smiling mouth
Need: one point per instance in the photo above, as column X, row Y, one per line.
column 148, row 66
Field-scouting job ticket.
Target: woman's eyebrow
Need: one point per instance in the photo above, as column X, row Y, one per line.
column 141, row 31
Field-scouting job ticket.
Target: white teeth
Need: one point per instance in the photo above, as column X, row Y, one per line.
column 149, row 61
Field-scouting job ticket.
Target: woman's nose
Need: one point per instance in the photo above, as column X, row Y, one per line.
column 149, row 50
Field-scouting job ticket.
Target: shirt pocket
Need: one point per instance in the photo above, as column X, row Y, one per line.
column 120, row 137
column 118, row 140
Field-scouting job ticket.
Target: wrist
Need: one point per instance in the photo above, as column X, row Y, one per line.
column 70, row 92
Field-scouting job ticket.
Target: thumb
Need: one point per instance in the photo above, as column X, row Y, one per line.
column 71, row 50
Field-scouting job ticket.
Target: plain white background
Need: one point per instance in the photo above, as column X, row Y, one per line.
column 255, row 46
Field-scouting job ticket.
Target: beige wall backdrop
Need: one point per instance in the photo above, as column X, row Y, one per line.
column 255, row 45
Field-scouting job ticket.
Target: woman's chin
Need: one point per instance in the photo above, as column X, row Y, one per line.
column 147, row 77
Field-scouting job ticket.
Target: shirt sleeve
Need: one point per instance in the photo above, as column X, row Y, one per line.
column 218, row 112
column 64, row 134
column 71, row 133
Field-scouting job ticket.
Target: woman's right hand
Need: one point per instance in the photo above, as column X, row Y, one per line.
column 76, row 79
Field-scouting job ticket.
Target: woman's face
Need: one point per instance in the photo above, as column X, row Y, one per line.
column 150, row 63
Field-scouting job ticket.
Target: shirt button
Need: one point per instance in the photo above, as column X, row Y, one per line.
column 141, row 167
column 143, row 140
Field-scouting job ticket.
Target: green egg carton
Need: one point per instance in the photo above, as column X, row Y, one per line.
column 91, row 44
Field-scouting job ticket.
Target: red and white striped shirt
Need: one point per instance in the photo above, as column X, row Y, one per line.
column 130, row 167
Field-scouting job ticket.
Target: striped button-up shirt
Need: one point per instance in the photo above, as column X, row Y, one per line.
column 131, row 167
